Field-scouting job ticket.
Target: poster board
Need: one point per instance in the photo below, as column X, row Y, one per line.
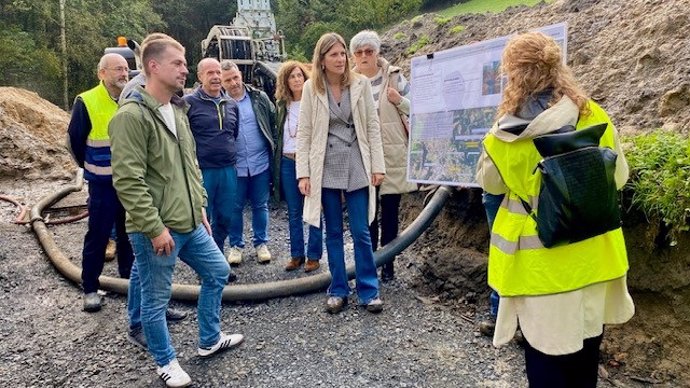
column 454, row 97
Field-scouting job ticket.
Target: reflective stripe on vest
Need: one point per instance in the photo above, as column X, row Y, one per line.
column 101, row 108
column 98, row 170
column 519, row 265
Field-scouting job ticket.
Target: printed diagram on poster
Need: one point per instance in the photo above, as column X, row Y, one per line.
column 454, row 97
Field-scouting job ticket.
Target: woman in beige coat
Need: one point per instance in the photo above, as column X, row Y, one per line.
column 339, row 153
column 390, row 90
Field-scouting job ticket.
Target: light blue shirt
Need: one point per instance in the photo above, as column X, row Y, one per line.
column 252, row 147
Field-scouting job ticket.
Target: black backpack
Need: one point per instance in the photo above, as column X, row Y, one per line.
column 578, row 198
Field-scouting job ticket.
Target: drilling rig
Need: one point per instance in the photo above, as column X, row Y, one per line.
column 252, row 41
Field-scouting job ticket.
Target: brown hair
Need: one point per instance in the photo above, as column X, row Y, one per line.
column 324, row 45
column 154, row 49
column 283, row 91
column 533, row 62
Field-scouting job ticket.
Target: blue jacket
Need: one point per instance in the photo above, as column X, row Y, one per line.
column 214, row 127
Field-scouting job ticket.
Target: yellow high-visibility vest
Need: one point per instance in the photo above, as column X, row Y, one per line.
column 101, row 108
column 519, row 265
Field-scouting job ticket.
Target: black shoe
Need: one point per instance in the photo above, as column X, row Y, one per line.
column 387, row 272
column 232, row 277
column 172, row 315
column 487, row 328
column 335, row 304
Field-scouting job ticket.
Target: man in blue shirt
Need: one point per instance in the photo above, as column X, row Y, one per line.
column 213, row 117
column 255, row 145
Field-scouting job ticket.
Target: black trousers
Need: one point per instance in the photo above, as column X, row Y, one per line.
column 576, row 370
column 389, row 205
column 105, row 210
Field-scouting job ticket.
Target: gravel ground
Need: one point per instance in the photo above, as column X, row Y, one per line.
column 291, row 342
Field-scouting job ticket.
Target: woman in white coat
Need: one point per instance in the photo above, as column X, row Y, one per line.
column 339, row 153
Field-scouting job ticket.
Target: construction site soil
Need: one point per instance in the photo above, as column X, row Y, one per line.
column 633, row 57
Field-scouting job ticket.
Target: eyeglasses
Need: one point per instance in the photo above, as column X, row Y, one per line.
column 119, row 69
column 367, row 52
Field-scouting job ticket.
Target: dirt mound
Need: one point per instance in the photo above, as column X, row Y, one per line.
column 32, row 137
column 632, row 56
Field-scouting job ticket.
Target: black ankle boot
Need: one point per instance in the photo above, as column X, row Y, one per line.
column 387, row 272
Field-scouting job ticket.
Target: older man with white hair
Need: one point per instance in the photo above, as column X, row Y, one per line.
column 90, row 146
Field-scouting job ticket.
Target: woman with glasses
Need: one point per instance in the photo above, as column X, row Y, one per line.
column 291, row 78
column 339, row 154
column 390, row 90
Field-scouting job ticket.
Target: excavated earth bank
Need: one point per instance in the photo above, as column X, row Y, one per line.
column 634, row 58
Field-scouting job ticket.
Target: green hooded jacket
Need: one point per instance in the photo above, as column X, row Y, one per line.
column 155, row 173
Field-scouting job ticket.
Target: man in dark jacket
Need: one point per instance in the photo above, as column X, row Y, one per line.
column 256, row 143
column 213, row 117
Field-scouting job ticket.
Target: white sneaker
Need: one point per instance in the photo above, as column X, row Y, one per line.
column 263, row 255
column 235, row 256
column 173, row 375
column 226, row 341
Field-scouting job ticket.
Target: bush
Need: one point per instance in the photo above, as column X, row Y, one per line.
column 457, row 29
column 399, row 35
column 441, row 21
column 660, row 179
column 421, row 42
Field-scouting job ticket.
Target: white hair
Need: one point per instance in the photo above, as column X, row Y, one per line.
column 365, row 38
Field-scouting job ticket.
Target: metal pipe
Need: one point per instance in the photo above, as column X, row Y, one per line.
column 235, row 292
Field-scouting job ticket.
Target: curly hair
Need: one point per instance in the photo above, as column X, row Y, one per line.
column 533, row 62
column 283, row 92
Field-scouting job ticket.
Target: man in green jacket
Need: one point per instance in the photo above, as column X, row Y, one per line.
column 157, row 179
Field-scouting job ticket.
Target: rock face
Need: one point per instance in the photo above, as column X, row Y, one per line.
column 631, row 56
column 32, row 137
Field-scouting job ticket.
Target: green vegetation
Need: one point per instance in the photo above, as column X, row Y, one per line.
column 421, row 42
column 303, row 21
column 416, row 19
column 399, row 35
column 441, row 21
column 660, row 178
column 482, row 6
column 457, row 29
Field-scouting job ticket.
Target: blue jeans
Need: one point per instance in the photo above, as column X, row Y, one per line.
column 295, row 203
column 255, row 189
column 151, row 284
column 105, row 210
column 221, row 187
column 365, row 269
column 491, row 204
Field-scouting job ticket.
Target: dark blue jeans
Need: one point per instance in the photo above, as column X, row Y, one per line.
column 255, row 189
column 491, row 204
column 365, row 270
column 221, row 187
column 105, row 210
column 295, row 204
